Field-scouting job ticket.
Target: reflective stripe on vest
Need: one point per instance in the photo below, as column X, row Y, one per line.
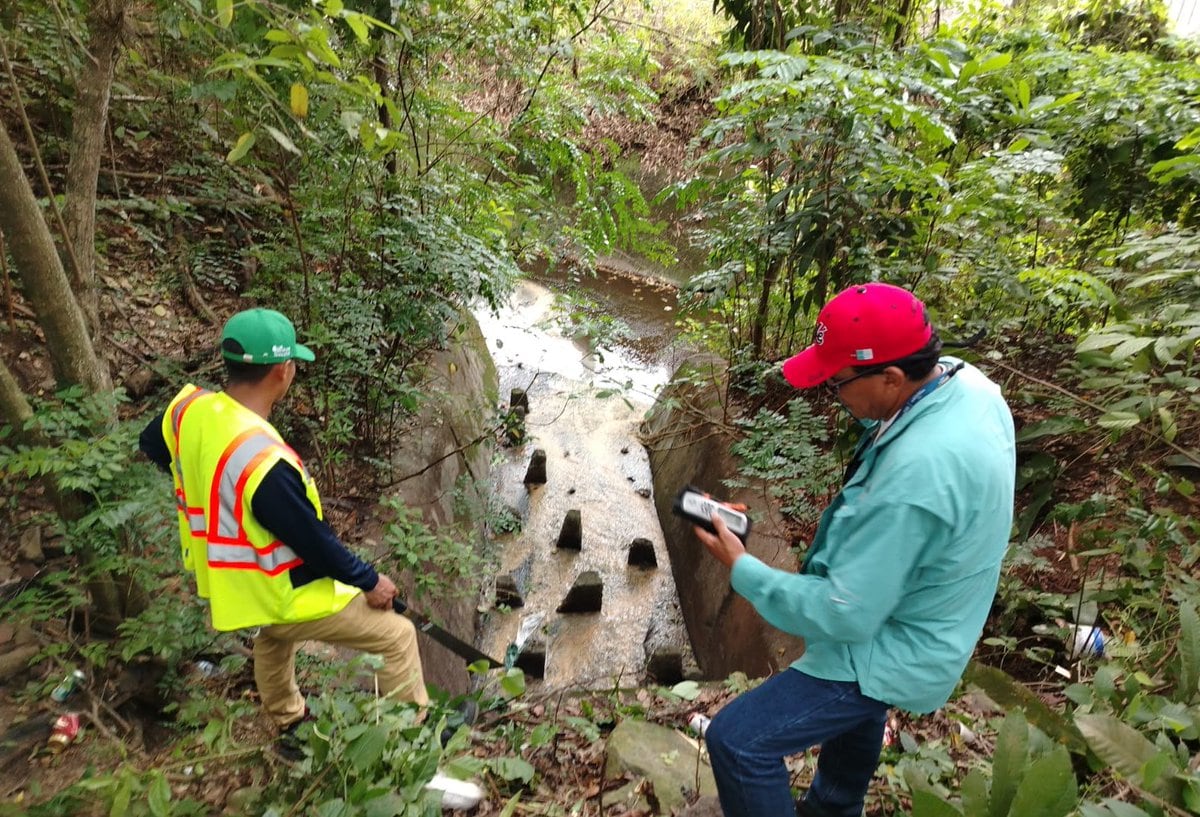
column 238, row 564
column 177, row 413
column 228, row 545
column 195, row 515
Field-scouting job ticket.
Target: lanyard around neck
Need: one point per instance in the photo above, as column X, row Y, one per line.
column 916, row 397
column 926, row 390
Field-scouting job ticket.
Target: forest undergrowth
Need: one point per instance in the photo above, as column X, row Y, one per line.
column 1032, row 172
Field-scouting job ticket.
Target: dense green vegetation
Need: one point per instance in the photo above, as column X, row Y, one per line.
column 375, row 168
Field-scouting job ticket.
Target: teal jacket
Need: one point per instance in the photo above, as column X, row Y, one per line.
column 902, row 571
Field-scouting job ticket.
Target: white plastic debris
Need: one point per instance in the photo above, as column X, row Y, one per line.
column 456, row 794
column 528, row 627
column 1081, row 640
column 1087, row 641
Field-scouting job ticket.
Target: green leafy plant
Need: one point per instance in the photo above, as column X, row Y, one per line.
column 784, row 453
column 123, row 523
column 129, row 791
column 1144, row 362
column 437, row 563
column 1031, row 777
column 364, row 755
column 1135, row 758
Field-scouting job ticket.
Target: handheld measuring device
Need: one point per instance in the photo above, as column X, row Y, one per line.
column 698, row 507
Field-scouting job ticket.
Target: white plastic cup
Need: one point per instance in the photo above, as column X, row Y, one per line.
column 698, row 723
column 456, row 794
column 1087, row 641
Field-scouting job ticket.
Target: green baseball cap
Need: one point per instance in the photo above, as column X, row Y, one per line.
column 262, row 336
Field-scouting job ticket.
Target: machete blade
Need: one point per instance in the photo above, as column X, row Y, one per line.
column 446, row 639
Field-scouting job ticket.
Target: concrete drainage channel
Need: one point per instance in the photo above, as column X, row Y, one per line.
column 588, row 568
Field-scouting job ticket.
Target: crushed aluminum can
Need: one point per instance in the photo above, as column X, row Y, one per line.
column 891, row 734
column 67, row 686
column 64, row 732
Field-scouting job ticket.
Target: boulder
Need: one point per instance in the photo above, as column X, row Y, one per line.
column 15, row 661
column 30, row 548
column 688, row 443
column 674, row 764
column 461, row 387
column 704, row 807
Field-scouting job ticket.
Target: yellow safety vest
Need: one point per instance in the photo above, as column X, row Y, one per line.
column 220, row 452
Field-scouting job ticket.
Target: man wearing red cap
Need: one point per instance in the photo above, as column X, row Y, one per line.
column 894, row 591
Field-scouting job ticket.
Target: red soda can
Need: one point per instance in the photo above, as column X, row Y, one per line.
column 66, row 729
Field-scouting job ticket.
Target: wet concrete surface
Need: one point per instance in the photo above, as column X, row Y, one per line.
column 594, row 464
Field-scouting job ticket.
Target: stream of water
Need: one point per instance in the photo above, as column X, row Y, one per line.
column 584, row 411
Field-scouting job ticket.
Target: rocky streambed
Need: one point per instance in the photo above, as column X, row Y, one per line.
column 589, row 568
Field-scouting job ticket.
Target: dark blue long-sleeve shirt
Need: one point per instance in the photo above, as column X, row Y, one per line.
column 281, row 505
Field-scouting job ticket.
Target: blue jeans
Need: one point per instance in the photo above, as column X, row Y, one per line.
column 788, row 714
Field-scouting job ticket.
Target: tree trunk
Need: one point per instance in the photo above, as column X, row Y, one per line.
column 43, row 278
column 903, row 20
column 54, row 296
column 14, row 408
column 774, row 262
column 106, row 22
column 762, row 312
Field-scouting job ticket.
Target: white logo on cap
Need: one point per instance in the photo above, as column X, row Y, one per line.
column 821, row 330
column 281, row 351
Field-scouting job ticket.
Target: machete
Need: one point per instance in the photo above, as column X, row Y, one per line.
column 446, row 639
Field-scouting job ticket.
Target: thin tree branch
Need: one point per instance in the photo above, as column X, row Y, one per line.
column 1191, row 455
column 401, row 61
column 668, row 34
column 453, row 452
column 37, row 157
column 602, row 6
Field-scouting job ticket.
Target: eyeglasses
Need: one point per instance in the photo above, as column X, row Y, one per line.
column 835, row 386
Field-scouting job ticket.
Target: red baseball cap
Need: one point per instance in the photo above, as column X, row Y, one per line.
column 861, row 326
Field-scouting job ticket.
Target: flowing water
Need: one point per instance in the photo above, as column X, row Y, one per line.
column 584, row 412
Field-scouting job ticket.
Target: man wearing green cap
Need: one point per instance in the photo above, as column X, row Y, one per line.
column 252, row 529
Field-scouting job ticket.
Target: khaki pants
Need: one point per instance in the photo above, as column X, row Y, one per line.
column 357, row 626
